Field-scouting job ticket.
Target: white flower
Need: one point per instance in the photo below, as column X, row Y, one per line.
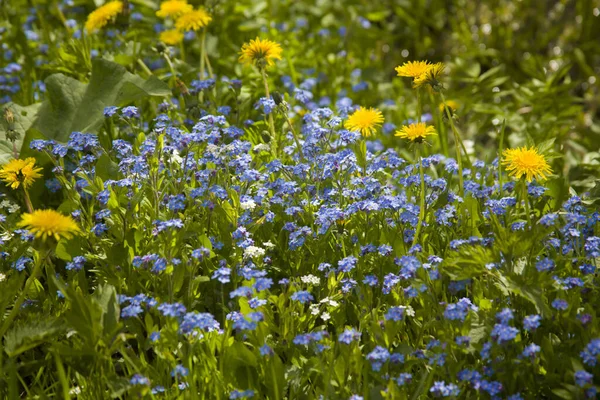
column 6, row 236
column 13, row 208
column 253, row 251
column 248, row 205
column 314, row 309
column 269, row 245
column 5, row 204
column 175, row 158
column 262, row 147
column 2, row 277
column 329, row 302
column 410, row 311
column 311, row 279
column 75, row 390
column 325, row 316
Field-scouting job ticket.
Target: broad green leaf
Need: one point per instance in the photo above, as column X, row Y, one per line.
column 74, row 106
column 56, row 116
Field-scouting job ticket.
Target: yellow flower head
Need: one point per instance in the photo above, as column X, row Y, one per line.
column 171, row 37
column 103, row 15
column 365, row 121
column 49, row 223
column 260, row 52
column 526, row 162
column 193, row 20
column 431, row 76
column 413, row 69
column 416, row 132
column 20, row 172
column 173, row 8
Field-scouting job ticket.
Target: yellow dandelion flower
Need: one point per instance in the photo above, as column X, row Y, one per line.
column 193, row 20
column 365, row 121
column 526, row 162
column 260, row 52
column 20, row 172
column 101, row 16
column 431, row 76
column 173, row 8
column 415, row 132
column 46, row 224
column 413, row 69
column 171, row 37
column 452, row 105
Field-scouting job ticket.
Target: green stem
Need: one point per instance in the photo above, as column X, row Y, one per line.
column 500, row 150
column 458, row 144
column 210, row 71
column 525, row 196
column 419, row 106
column 422, row 196
column 28, row 201
column 298, row 145
column 202, row 51
column 17, row 307
column 144, row 66
column 274, row 141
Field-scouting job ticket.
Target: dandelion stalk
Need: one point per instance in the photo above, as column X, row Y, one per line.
column 419, row 105
column 457, row 143
column 422, row 195
column 500, row 183
column 295, row 135
column 202, row 52
column 525, row 199
column 270, row 117
column 28, row 200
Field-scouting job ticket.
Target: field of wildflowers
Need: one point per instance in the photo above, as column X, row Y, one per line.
column 318, row 199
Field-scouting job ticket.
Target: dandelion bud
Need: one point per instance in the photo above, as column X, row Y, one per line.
column 277, row 98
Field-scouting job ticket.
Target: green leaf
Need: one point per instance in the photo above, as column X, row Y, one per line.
column 29, row 335
column 56, row 116
column 106, row 297
column 24, row 117
column 72, row 106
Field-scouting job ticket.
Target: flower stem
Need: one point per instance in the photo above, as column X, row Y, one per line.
column 525, row 196
column 274, row 141
column 27, row 202
column 208, row 66
column 422, row 196
column 202, row 51
column 419, row 105
column 298, row 145
column 500, row 150
column 458, row 144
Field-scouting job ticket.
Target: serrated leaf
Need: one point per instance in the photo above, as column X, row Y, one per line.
column 30, row 334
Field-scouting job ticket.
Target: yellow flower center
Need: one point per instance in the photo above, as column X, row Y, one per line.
column 171, row 37
column 365, row 121
column 526, row 162
column 193, row 20
column 415, row 132
column 102, row 15
column 20, row 172
column 49, row 223
column 413, row 69
column 173, row 8
column 260, row 51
